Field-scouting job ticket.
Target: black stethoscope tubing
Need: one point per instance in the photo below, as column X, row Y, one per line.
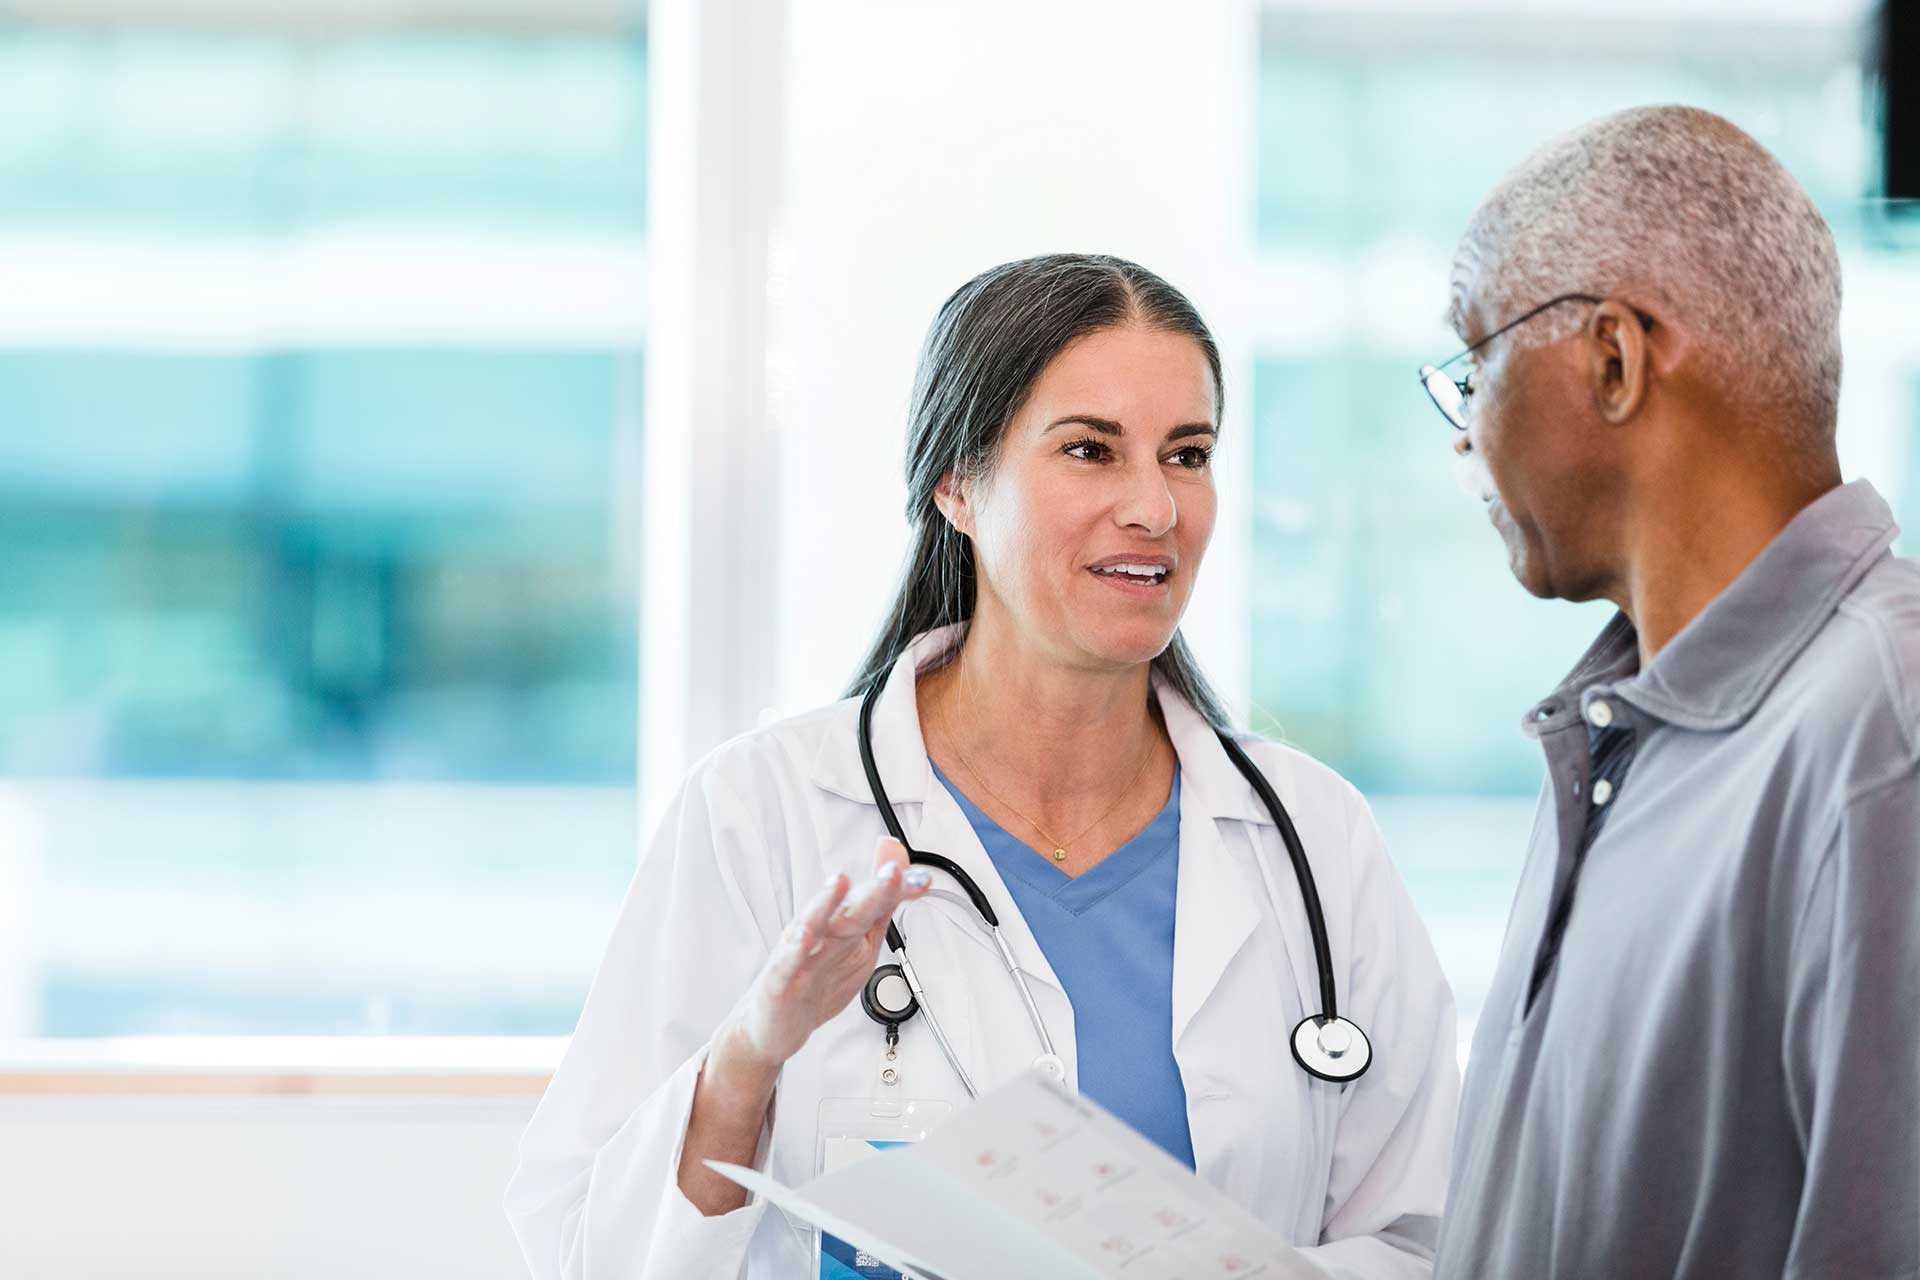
column 1302, row 871
column 1325, row 1069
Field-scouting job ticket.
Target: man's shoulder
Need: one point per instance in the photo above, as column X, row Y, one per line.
column 1884, row 610
column 1855, row 691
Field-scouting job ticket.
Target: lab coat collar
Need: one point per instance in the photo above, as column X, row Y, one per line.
column 899, row 750
column 1209, row 782
column 1207, row 774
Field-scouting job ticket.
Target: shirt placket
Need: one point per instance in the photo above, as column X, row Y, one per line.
column 1588, row 756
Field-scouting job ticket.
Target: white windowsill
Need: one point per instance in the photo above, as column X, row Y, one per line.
column 504, row 1066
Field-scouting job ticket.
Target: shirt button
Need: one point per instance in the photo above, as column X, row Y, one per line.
column 1602, row 792
column 1599, row 714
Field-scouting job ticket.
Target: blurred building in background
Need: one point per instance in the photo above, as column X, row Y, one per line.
column 321, row 570
column 320, row 365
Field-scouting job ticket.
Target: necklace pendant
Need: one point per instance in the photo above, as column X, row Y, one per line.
column 1059, row 855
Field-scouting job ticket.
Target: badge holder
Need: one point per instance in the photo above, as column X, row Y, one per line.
column 856, row 1128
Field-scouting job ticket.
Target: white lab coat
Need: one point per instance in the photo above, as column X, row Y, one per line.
column 1356, row 1172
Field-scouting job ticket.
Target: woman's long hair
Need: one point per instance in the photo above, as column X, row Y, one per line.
column 988, row 346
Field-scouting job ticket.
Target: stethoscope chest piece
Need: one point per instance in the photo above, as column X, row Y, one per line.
column 887, row 997
column 1331, row 1049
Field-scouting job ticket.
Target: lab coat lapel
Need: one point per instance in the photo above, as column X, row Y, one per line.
column 1215, row 911
column 1216, row 894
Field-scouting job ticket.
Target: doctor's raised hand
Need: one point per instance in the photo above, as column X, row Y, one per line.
column 824, row 958
column 1084, row 867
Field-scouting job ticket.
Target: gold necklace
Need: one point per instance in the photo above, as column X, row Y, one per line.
column 1060, row 847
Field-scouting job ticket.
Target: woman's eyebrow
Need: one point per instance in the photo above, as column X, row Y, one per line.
column 1108, row 427
column 1105, row 426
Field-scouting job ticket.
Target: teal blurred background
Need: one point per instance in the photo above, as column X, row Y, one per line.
column 254, row 563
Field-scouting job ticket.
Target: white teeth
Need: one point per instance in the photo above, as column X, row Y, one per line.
column 1134, row 570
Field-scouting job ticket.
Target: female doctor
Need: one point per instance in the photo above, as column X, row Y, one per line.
column 1039, row 721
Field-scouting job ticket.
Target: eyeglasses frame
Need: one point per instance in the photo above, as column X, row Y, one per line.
column 1427, row 371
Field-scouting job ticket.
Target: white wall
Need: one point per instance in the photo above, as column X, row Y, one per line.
column 881, row 154
column 287, row 1188
column 927, row 142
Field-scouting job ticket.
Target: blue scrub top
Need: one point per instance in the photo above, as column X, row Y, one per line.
column 1109, row 936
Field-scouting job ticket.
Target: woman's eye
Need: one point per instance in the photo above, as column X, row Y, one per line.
column 1194, row 456
column 1087, row 450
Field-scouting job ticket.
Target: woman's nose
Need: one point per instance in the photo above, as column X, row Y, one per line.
column 1148, row 505
column 1463, row 442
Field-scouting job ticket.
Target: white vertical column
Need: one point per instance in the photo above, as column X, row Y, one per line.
column 22, row 906
column 925, row 142
column 706, row 571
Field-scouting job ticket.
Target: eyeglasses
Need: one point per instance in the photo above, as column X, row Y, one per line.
column 1451, row 394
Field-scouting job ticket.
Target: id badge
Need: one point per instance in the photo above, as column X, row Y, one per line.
column 857, row 1129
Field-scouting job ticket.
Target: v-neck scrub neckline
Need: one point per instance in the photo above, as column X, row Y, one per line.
column 1075, row 894
column 1108, row 933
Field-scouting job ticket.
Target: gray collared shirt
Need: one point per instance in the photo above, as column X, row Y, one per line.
column 1719, row 1071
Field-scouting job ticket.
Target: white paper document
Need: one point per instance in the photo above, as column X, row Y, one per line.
column 1032, row 1180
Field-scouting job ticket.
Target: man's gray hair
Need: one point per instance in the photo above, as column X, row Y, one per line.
column 1682, row 207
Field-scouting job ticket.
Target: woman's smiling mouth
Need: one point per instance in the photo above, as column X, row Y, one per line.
column 1136, row 575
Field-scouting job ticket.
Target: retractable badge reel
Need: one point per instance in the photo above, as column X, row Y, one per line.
column 889, row 1001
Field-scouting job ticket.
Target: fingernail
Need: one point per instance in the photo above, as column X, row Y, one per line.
column 919, row 878
column 813, row 949
column 886, row 874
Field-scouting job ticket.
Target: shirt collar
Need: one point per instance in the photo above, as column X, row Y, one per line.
column 1714, row 674
column 1210, row 783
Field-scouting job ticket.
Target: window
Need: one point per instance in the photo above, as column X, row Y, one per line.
column 327, row 664
column 320, row 375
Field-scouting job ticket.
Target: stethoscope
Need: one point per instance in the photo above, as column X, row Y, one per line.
column 1326, row 1045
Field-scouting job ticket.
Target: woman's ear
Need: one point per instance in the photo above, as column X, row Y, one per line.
column 950, row 495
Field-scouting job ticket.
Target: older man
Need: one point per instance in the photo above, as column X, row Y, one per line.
column 1700, row 1055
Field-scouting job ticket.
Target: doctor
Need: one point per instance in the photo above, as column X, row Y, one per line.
column 1039, row 721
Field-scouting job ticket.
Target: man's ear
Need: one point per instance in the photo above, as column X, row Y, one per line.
column 1620, row 359
column 951, row 495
